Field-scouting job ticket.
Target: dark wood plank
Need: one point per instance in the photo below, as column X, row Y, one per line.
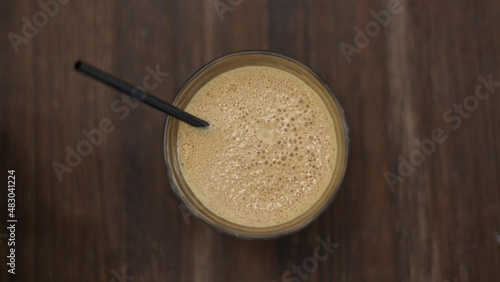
column 114, row 214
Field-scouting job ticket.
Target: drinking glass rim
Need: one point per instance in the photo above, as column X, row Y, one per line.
column 284, row 232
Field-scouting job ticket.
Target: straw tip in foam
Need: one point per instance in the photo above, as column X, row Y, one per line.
column 78, row 65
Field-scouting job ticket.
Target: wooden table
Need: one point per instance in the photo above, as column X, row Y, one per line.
column 409, row 74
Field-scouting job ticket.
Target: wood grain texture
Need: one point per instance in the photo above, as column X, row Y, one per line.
column 115, row 213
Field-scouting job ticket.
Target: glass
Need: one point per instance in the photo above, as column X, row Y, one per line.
column 224, row 64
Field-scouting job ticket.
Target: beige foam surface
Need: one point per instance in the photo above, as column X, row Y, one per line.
column 269, row 153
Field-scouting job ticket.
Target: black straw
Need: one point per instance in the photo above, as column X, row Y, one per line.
column 145, row 97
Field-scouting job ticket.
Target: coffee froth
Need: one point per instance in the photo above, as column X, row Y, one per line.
column 269, row 153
